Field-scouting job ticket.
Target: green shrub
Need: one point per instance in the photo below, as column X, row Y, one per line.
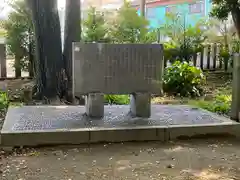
column 117, row 99
column 183, row 79
column 236, row 45
column 3, row 101
column 171, row 51
column 184, row 52
column 221, row 104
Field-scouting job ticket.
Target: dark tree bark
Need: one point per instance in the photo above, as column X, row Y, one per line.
column 48, row 47
column 236, row 19
column 72, row 33
column 31, row 54
column 17, row 65
column 31, row 60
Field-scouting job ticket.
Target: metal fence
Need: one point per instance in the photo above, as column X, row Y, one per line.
column 209, row 59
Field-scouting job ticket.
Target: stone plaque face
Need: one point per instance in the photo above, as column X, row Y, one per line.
column 117, row 68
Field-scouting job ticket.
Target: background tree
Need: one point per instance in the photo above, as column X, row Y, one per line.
column 222, row 9
column 3, row 5
column 128, row 26
column 184, row 40
column 49, row 61
column 2, row 33
column 173, row 26
column 54, row 67
column 220, row 31
column 72, row 33
column 94, row 27
column 19, row 34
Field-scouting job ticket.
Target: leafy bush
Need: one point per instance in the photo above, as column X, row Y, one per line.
column 221, row 104
column 183, row 79
column 3, row 101
column 117, row 99
column 171, row 51
column 183, row 51
column 236, row 45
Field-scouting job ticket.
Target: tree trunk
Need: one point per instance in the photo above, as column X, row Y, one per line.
column 225, row 35
column 30, row 54
column 17, row 65
column 236, row 19
column 31, row 60
column 143, row 7
column 48, row 47
column 72, row 33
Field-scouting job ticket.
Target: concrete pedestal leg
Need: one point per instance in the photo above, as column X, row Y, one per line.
column 95, row 105
column 140, row 105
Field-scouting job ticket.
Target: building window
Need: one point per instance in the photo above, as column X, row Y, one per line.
column 196, row 7
column 150, row 12
column 171, row 9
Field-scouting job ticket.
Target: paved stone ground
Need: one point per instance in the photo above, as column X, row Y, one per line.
column 184, row 160
column 74, row 117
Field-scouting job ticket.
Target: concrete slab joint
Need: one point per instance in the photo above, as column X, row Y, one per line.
column 140, row 105
column 95, row 105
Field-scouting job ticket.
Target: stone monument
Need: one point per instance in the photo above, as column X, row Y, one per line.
column 100, row 68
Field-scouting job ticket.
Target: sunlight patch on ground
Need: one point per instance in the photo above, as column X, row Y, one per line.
column 177, row 149
column 205, row 174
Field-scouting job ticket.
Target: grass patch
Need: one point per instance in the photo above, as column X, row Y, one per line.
column 15, row 104
column 216, row 105
column 220, row 102
column 117, row 99
column 4, row 101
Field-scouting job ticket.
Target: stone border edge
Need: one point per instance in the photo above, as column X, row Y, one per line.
column 98, row 135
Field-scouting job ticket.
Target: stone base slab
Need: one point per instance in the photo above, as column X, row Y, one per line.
column 204, row 130
column 127, row 134
column 81, row 136
column 45, row 138
column 52, row 125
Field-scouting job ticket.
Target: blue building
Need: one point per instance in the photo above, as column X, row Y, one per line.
column 191, row 10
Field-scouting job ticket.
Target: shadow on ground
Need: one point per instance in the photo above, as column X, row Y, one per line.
column 193, row 159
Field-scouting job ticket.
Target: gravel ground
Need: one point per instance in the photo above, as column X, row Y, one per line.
column 14, row 92
column 185, row 160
